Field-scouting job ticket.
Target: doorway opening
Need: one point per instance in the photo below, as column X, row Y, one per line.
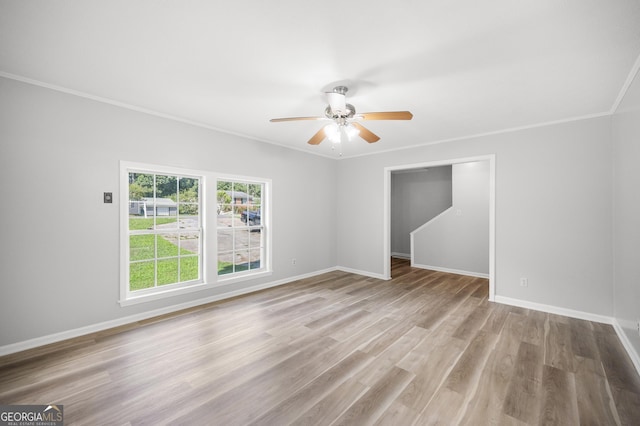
column 422, row 166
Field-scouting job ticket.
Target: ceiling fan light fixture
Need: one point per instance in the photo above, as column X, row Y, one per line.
column 332, row 132
column 350, row 131
column 345, row 123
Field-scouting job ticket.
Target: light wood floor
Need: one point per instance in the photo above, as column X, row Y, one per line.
column 424, row 348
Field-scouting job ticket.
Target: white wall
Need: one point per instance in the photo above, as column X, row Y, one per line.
column 553, row 210
column 417, row 196
column 58, row 153
column 626, row 237
column 458, row 239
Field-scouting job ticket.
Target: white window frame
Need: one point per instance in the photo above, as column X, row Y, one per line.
column 128, row 297
column 208, row 238
column 265, row 222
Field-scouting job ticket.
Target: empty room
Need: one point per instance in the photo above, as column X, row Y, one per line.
column 338, row 213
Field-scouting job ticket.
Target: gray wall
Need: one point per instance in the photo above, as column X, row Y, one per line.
column 626, row 219
column 554, row 215
column 458, row 239
column 417, row 196
column 553, row 210
column 60, row 270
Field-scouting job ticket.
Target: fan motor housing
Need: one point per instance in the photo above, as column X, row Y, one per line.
column 351, row 111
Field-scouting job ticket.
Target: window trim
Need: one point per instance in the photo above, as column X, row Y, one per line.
column 209, row 255
column 128, row 297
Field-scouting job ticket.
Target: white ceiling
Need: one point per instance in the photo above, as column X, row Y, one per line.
column 463, row 68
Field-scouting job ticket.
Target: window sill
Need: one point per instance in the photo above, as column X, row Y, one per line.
column 143, row 298
column 223, row 280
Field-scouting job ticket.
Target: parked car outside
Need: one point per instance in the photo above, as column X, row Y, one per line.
column 253, row 217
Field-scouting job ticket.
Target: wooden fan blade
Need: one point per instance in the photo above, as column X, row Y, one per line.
column 317, row 138
column 277, row 120
column 389, row 115
column 366, row 134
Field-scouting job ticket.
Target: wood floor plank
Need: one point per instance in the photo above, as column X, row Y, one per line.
column 431, row 369
column 425, row 347
column 329, row 408
column 488, row 399
column 595, row 404
column 521, row 400
column 558, row 401
column 627, row 406
column 469, row 366
column 559, row 351
column 617, row 365
column 300, row 402
column 443, row 409
column 387, row 359
column 534, row 328
column 373, row 403
column 583, row 342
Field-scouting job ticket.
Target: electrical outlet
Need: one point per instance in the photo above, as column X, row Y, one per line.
column 638, row 326
column 524, row 282
column 293, row 262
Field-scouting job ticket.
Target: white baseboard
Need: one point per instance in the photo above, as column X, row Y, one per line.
column 451, row 271
column 554, row 310
column 358, row 272
column 93, row 328
column 633, row 354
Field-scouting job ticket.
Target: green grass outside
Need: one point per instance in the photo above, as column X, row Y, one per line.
column 142, row 274
column 137, row 223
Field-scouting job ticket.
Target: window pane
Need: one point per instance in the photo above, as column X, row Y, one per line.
column 225, row 215
column 138, row 223
column 240, row 229
column 189, row 218
column 142, row 247
column 167, row 187
column 241, row 260
column 189, row 268
column 240, row 215
column 140, row 186
column 255, row 259
column 224, row 185
column 189, row 244
column 255, row 192
column 164, row 222
column 255, row 238
column 241, row 239
column 141, row 275
column 225, row 240
column 167, row 271
column 225, row 263
column 240, row 194
column 254, row 214
column 165, row 232
column 167, row 245
column 188, row 190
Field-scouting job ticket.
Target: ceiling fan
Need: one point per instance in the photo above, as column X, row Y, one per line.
column 345, row 122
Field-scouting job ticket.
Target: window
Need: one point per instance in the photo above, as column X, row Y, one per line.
column 241, row 230
column 162, row 233
column 166, row 245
